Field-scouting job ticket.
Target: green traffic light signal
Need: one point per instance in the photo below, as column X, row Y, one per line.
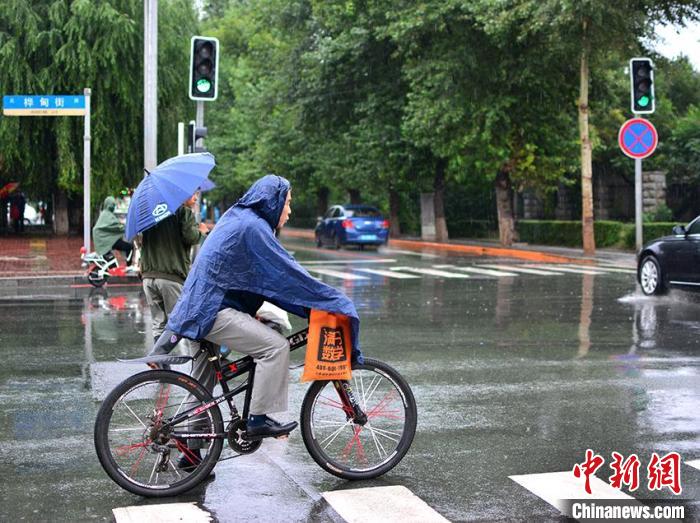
column 204, row 68
column 642, row 85
column 203, row 85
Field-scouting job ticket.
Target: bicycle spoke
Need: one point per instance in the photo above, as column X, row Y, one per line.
column 335, row 434
column 155, row 465
column 125, row 449
column 377, row 443
column 386, row 433
column 133, row 414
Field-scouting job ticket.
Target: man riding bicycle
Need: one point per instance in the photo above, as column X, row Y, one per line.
column 240, row 265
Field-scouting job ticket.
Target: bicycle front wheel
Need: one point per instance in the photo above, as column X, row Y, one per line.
column 140, row 447
column 353, row 451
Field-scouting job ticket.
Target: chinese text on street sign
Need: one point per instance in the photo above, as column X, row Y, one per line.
column 43, row 105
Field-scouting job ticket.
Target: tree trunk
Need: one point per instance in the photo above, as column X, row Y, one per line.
column 439, row 201
column 586, row 151
column 504, row 206
column 355, row 198
column 322, row 201
column 394, row 206
column 60, row 226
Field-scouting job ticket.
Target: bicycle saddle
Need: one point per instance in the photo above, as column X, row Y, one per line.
column 161, row 359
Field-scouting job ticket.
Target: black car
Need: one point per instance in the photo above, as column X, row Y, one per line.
column 671, row 261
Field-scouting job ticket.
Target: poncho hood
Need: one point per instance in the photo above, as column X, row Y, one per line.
column 266, row 197
column 109, row 204
column 242, row 253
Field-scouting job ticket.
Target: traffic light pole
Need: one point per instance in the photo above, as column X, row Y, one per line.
column 199, row 122
column 150, row 85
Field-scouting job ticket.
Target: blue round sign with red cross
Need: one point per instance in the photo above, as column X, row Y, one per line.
column 638, row 138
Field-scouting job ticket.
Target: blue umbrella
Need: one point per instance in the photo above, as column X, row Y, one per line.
column 167, row 187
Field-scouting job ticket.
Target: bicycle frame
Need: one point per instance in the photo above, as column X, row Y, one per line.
column 247, row 365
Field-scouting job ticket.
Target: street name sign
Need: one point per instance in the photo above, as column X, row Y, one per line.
column 43, row 105
column 638, row 138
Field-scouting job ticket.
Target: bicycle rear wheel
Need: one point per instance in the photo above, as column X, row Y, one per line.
column 353, row 451
column 138, row 447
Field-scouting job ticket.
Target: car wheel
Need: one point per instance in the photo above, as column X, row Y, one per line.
column 650, row 277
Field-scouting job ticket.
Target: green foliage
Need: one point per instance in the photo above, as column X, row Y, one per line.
column 607, row 233
column 661, row 214
column 63, row 46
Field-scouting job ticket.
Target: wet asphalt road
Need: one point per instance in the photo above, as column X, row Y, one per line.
column 512, row 375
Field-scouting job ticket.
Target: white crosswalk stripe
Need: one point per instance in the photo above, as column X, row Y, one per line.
column 694, row 463
column 389, row 274
column 346, row 262
column 477, row 270
column 600, row 268
column 561, row 268
column 517, row 268
column 556, row 487
column 385, row 504
column 163, row 513
column 618, row 266
column 338, row 274
column 411, row 253
column 431, row 272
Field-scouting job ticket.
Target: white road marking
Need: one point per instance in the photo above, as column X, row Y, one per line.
column 556, row 487
column 476, row 270
column 164, row 513
column 389, row 274
column 618, row 266
column 348, row 261
column 601, row 268
column 381, row 504
column 430, row 272
column 412, row 253
column 339, row 274
column 517, row 268
column 560, row 268
column 694, row 463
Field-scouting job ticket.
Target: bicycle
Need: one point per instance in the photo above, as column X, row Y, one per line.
column 355, row 431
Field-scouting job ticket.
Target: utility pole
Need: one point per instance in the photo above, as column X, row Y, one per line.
column 150, row 85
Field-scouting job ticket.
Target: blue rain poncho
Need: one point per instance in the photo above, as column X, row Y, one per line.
column 242, row 253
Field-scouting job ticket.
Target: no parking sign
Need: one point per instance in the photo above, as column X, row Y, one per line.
column 638, row 138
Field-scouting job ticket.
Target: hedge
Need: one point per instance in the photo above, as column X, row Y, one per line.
column 607, row 233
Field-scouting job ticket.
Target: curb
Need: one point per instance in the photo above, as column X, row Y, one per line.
column 477, row 250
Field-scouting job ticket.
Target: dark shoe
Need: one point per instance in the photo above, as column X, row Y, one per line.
column 268, row 428
column 188, row 463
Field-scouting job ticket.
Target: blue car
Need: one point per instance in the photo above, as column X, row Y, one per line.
column 352, row 224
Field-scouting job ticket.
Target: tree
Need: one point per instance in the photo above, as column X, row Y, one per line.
column 591, row 29
column 62, row 46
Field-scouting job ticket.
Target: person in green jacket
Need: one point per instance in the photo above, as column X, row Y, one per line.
column 108, row 232
column 165, row 261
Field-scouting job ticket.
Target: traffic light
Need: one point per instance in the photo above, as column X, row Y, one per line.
column 204, row 68
column 642, row 85
column 194, row 133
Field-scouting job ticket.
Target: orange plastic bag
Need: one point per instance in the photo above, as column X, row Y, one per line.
column 328, row 349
